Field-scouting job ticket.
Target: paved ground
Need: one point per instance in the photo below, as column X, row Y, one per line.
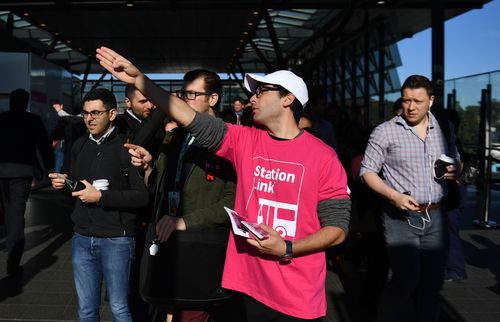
column 45, row 292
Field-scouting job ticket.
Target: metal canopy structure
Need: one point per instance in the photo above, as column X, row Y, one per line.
column 233, row 36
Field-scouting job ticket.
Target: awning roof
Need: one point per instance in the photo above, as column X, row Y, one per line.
column 222, row 35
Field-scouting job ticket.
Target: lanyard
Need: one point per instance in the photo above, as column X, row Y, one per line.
column 185, row 146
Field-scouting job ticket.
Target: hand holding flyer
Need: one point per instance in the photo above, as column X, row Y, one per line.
column 241, row 227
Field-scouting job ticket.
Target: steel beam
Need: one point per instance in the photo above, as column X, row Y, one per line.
column 262, row 58
column 437, row 22
column 274, row 39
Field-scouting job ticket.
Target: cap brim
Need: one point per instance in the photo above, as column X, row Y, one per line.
column 251, row 81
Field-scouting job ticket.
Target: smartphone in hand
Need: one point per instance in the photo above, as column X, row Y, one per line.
column 73, row 186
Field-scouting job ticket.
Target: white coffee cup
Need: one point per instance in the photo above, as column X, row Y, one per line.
column 441, row 164
column 101, row 184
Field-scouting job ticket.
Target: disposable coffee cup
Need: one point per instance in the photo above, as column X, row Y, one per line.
column 441, row 164
column 101, row 184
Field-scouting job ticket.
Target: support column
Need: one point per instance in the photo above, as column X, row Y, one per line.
column 366, row 80
column 342, row 77
column 334, row 80
column 381, row 74
column 354, row 76
column 437, row 21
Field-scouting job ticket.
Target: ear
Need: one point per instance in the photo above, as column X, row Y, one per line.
column 213, row 99
column 288, row 99
column 112, row 114
column 128, row 102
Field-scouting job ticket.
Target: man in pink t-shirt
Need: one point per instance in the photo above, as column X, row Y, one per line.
column 289, row 182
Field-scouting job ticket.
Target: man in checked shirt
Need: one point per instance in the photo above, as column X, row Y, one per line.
column 404, row 150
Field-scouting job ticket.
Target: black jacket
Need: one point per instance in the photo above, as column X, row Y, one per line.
column 148, row 134
column 21, row 135
column 115, row 213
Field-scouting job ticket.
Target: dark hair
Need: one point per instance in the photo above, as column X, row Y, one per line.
column 129, row 91
column 212, row 81
column 398, row 104
column 310, row 129
column 417, row 81
column 107, row 98
column 18, row 99
column 239, row 99
column 296, row 107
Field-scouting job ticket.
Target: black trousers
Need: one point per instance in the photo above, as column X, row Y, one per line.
column 258, row 312
column 14, row 193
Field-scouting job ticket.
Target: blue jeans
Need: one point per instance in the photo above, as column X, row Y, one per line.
column 95, row 258
column 417, row 245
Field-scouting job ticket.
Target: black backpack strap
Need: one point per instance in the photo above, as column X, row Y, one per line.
column 446, row 129
column 444, row 124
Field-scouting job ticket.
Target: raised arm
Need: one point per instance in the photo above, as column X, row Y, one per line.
column 125, row 71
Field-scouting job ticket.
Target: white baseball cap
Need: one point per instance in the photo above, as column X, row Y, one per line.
column 285, row 78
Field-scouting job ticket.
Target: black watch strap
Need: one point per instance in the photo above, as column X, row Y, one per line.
column 288, row 252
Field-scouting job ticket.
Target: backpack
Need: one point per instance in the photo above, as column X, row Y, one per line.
column 453, row 198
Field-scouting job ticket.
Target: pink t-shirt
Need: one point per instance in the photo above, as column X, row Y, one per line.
column 280, row 183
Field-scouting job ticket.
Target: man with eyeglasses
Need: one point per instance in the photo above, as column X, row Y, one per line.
column 289, row 182
column 104, row 215
column 404, row 150
column 197, row 182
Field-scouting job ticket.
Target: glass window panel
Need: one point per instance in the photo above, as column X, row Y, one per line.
column 468, row 107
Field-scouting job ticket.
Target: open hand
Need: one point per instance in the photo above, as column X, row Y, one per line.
column 117, row 65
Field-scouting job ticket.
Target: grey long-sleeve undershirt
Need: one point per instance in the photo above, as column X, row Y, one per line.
column 210, row 131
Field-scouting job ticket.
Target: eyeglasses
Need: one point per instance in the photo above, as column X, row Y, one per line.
column 95, row 114
column 190, row 95
column 262, row 89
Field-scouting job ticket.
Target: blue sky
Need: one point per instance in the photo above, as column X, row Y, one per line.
column 472, row 45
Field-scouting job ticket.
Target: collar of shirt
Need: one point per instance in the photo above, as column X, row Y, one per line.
column 134, row 116
column 100, row 140
column 401, row 120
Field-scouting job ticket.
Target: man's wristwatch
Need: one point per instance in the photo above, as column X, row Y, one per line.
column 287, row 256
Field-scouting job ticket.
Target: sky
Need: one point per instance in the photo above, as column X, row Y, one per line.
column 472, row 45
